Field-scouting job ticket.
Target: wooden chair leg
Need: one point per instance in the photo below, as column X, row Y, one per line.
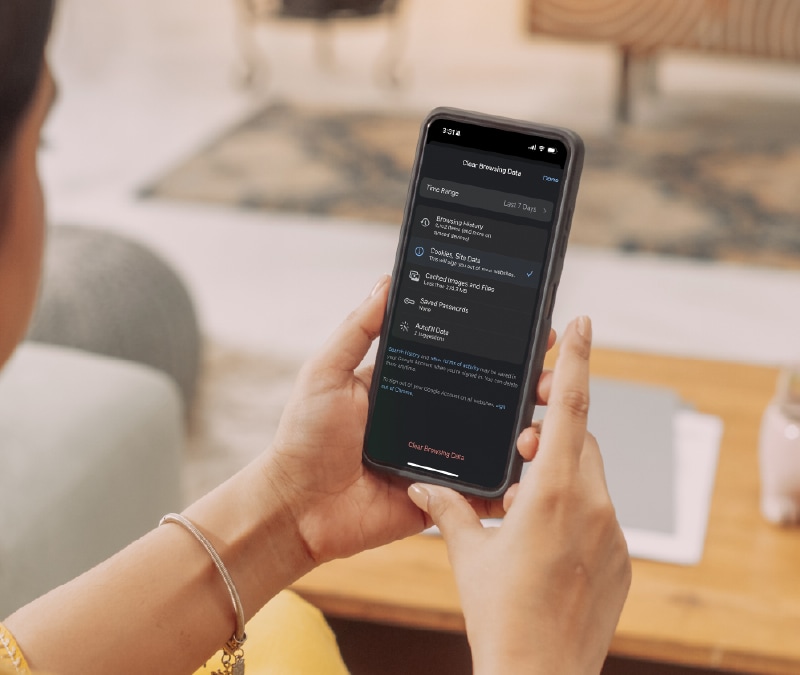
column 388, row 69
column 623, row 111
column 649, row 76
column 323, row 44
column 253, row 67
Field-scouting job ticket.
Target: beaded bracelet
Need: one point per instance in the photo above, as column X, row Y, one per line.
column 233, row 656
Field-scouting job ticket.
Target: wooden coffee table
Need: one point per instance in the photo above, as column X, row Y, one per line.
column 739, row 609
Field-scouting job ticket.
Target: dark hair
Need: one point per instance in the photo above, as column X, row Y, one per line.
column 24, row 27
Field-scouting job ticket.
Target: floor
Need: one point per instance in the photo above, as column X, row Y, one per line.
column 144, row 84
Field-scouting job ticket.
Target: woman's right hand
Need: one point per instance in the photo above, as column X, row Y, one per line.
column 542, row 593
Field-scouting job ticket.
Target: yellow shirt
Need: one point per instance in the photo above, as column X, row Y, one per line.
column 288, row 636
column 12, row 662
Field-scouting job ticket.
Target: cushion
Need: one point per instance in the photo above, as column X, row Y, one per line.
column 89, row 461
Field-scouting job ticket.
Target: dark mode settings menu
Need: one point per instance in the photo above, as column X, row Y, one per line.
column 460, row 332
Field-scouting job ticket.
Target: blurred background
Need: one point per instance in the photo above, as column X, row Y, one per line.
column 264, row 155
column 147, row 87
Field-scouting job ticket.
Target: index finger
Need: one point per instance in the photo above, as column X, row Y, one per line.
column 564, row 427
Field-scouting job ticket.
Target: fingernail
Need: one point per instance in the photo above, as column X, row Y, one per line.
column 584, row 327
column 381, row 283
column 419, row 494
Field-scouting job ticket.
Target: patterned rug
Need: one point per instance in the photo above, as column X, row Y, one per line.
column 717, row 180
column 239, row 402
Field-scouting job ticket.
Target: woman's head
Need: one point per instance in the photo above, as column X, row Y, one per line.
column 24, row 27
column 26, row 91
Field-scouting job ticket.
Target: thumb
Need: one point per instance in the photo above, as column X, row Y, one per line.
column 448, row 510
column 348, row 345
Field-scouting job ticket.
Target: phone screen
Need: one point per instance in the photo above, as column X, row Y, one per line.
column 468, row 294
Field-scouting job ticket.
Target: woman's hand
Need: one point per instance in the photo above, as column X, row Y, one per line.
column 315, row 464
column 543, row 592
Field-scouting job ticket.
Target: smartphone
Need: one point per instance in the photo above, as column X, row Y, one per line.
column 478, row 263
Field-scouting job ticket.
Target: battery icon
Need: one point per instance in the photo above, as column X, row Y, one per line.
column 552, row 151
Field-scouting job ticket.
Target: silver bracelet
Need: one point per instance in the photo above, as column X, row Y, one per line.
column 234, row 645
